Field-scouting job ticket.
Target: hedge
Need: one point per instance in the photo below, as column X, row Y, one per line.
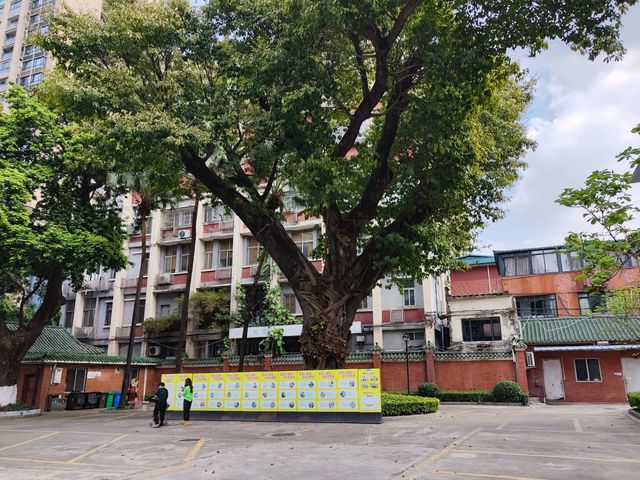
column 394, row 404
column 465, row 396
column 16, row 407
column 634, row 399
column 428, row 389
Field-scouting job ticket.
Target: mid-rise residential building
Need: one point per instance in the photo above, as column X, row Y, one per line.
column 22, row 62
column 226, row 257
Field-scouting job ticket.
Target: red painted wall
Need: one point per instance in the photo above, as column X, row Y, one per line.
column 476, row 281
column 610, row 389
column 473, row 375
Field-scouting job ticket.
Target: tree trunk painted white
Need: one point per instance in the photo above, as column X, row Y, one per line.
column 8, row 394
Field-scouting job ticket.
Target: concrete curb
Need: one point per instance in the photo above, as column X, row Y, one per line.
column 634, row 414
column 21, row 413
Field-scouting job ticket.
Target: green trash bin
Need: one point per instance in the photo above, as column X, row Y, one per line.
column 109, row 402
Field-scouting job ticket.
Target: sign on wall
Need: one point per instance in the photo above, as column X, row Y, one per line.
column 339, row 391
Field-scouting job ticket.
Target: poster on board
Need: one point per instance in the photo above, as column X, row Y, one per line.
column 200, row 387
column 268, row 391
column 215, row 394
column 339, row 391
column 287, row 391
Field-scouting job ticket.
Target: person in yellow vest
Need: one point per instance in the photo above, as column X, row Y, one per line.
column 187, row 396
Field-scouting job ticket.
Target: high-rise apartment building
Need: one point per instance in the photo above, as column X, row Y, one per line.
column 226, row 257
column 21, row 62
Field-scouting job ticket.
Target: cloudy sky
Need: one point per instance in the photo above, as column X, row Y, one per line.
column 581, row 118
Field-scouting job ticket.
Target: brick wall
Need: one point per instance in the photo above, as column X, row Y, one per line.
column 610, row 389
column 473, row 374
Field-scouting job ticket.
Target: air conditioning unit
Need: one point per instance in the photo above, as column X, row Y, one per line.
column 56, row 376
column 530, row 360
column 154, row 351
column 183, row 234
column 360, row 338
column 164, row 279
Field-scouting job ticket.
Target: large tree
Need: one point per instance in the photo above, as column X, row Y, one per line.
column 394, row 121
column 57, row 221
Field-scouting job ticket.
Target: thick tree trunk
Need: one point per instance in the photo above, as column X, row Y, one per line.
column 126, row 380
column 184, row 315
column 327, row 320
column 15, row 343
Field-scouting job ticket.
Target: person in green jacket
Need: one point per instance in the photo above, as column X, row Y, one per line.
column 187, row 394
column 159, row 410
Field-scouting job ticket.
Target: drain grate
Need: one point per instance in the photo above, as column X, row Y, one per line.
column 284, row 434
column 189, row 439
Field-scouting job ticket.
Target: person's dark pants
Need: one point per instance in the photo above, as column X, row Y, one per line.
column 186, row 410
column 158, row 413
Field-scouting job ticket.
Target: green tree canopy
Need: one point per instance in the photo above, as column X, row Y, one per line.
column 58, row 220
column 395, row 121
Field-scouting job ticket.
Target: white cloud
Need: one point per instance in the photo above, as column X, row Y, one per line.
column 581, row 119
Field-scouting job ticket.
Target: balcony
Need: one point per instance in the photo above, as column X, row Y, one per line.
column 98, row 284
column 83, row 332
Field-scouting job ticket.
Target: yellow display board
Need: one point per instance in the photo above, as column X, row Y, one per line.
column 339, row 391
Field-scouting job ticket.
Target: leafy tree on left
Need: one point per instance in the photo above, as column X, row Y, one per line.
column 58, row 220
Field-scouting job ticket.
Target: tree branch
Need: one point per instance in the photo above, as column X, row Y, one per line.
column 362, row 70
column 401, row 21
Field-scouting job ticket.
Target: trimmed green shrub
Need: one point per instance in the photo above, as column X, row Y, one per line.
column 465, row 396
column 428, row 389
column 634, row 399
column 15, row 407
column 506, row 391
column 394, row 404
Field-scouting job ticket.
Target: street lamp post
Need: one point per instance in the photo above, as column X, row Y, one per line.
column 406, row 337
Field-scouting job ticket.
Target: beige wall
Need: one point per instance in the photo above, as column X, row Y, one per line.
column 477, row 307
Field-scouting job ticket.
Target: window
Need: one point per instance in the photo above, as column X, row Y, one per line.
column 44, row 29
column 416, row 336
column 108, row 313
column 7, row 54
column 208, row 255
column 409, row 292
column 225, row 253
column 36, row 78
column 590, row 302
column 4, row 66
column 184, row 257
column 169, row 261
column 34, row 19
column 88, row 312
column 289, row 302
column 290, row 204
column 24, row 81
column 75, row 380
column 588, row 370
column 177, row 218
column 10, row 39
column 12, row 22
column 538, row 306
column 481, row 329
column 27, row 65
column 539, row 262
column 28, row 50
column 40, row 62
column 15, row 6
column 141, row 305
column 304, row 241
column 165, row 310
column 36, row 4
column 217, row 214
column 253, row 251
column 68, row 313
column 366, row 303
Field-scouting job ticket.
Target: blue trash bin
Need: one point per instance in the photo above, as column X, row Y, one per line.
column 116, row 399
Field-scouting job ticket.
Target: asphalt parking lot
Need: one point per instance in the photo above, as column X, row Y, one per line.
column 459, row 442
